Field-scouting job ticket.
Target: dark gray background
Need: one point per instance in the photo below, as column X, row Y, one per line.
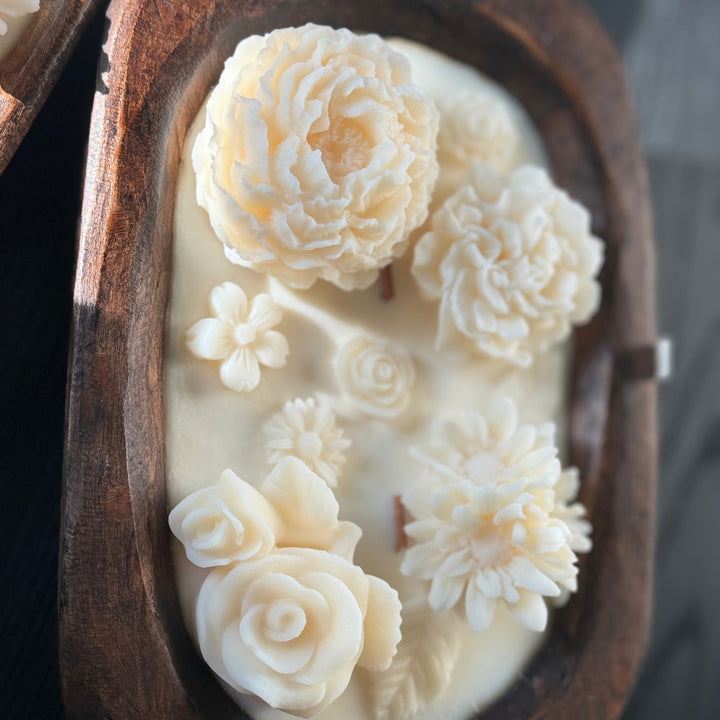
column 671, row 52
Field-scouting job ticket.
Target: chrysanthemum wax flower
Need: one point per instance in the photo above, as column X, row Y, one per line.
column 485, row 522
column 513, row 262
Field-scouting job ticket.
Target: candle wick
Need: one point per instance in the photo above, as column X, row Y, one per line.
column 386, row 279
column 400, row 536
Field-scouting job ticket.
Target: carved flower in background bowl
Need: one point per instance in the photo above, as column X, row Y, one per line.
column 317, row 157
column 307, row 430
column 513, row 262
column 377, row 375
column 485, row 525
column 291, row 627
column 240, row 336
column 15, row 9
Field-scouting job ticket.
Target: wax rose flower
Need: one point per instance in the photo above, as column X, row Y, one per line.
column 14, row 9
column 513, row 262
column 240, row 336
column 232, row 521
column 291, row 627
column 317, row 157
column 485, row 525
column 377, row 375
column 224, row 523
column 307, row 430
column 477, row 127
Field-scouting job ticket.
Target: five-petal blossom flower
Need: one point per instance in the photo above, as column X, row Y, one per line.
column 240, row 336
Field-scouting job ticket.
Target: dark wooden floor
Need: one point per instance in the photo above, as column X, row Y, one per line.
column 670, row 49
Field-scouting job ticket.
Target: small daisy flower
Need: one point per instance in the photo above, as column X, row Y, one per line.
column 306, row 429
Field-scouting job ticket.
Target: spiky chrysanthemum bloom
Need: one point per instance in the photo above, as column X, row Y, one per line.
column 306, row 429
column 573, row 514
column 485, row 524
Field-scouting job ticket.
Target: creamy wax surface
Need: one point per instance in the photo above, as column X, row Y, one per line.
column 301, row 405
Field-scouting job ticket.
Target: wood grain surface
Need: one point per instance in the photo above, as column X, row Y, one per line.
column 31, row 69
column 123, row 649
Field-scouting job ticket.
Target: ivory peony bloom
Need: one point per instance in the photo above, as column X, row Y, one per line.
column 513, row 262
column 307, row 430
column 291, row 627
column 240, row 336
column 484, row 523
column 14, row 9
column 317, row 157
column 224, row 523
column 377, row 375
column 477, row 127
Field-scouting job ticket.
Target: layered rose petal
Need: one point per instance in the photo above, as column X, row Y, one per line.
column 290, row 627
column 377, row 375
column 224, row 523
column 317, row 158
column 308, row 510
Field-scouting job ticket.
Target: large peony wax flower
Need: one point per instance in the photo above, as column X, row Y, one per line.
column 485, row 525
column 317, row 157
column 291, row 627
column 513, row 262
column 240, row 336
column 14, row 9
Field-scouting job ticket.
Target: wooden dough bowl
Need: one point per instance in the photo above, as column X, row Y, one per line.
column 123, row 647
column 31, row 68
